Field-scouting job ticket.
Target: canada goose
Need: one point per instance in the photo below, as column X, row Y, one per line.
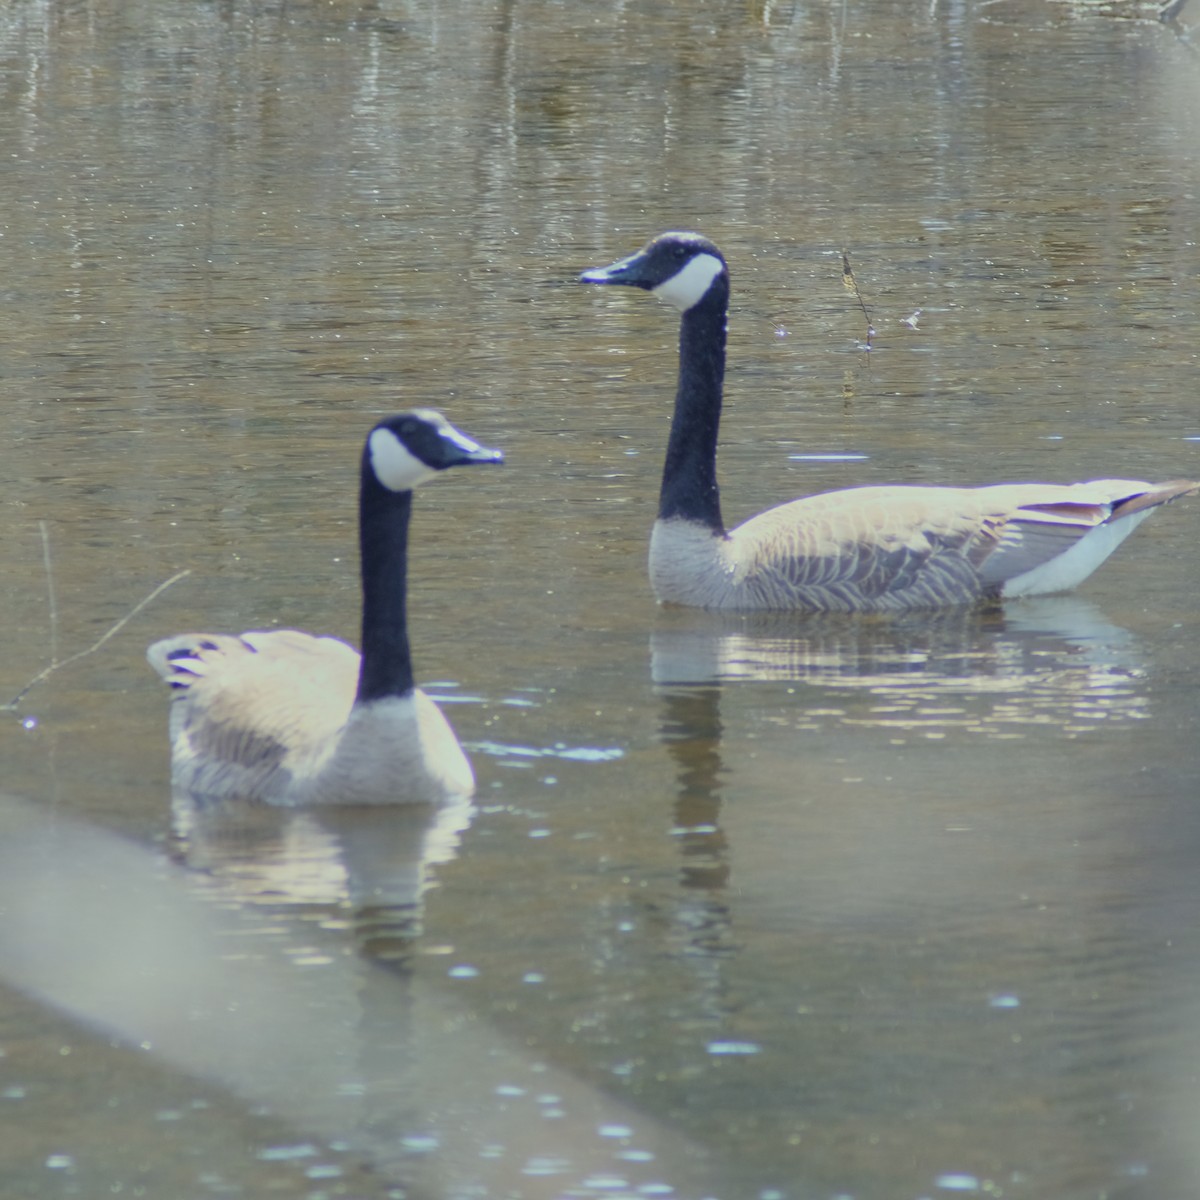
column 288, row 718
column 867, row 549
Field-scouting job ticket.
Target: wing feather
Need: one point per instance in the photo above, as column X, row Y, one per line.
column 882, row 549
column 249, row 712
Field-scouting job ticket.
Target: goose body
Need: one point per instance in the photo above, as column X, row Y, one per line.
column 284, row 717
column 867, row 549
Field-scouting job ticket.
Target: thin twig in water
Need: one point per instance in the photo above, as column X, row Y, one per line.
column 850, row 282
column 50, row 597
column 46, row 672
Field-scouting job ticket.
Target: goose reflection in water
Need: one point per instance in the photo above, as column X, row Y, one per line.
column 363, row 867
column 1056, row 662
column 691, row 729
column 1052, row 661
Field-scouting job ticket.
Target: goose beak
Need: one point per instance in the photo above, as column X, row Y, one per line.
column 628, row 271
column 467, row 452
column 459, row 450
column 485, row 454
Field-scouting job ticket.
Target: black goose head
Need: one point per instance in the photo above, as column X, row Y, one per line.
column 411, row 447
column 681, row 268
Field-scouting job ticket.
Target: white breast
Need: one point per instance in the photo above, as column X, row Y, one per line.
column 689, row 564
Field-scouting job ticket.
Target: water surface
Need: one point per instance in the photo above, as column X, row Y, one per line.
column 783, row 908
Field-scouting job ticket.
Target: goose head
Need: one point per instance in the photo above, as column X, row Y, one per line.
column 680, row 268
column 412, row 447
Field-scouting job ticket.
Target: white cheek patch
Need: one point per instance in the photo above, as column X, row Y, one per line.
column 395, row 466
column 687, row 287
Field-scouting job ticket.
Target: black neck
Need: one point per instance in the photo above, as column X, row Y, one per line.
column 383, row 543
column 689, row 483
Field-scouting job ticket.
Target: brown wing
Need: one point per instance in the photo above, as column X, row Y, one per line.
column 868, row 549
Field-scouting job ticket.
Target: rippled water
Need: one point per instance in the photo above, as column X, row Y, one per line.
column 745, row 906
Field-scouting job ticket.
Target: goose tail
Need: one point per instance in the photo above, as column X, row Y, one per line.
column 1160, row 493
column 182, row 659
